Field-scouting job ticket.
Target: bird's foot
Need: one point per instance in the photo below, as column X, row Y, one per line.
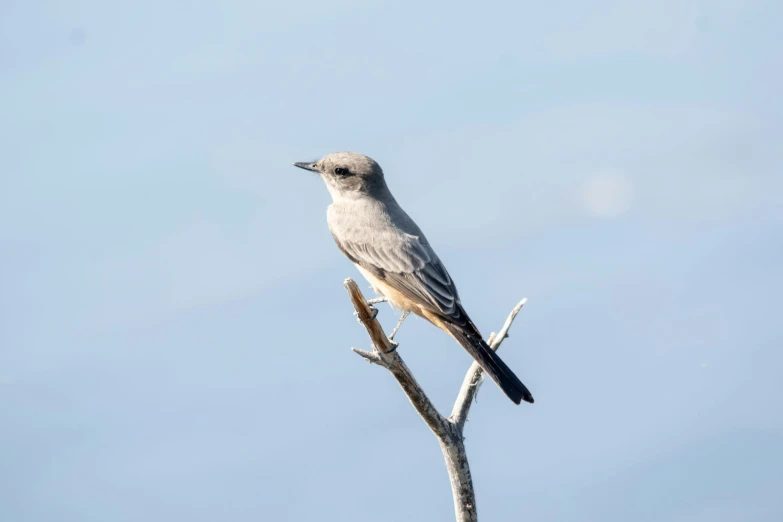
column 394, row 344
column 373, row 314
column 376, row 301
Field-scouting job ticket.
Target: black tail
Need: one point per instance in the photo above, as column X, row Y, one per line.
column 491, row 364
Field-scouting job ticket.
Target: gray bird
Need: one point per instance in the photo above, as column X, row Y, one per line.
column 372, row 230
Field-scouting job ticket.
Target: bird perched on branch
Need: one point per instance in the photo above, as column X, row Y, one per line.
column 372, row 230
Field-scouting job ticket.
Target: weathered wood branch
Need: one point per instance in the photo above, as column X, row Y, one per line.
column 447, row 431
column 386, row 355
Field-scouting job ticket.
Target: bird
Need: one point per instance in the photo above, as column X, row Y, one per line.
column 389, row 249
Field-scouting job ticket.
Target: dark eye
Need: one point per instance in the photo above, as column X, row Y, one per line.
column 340, row 171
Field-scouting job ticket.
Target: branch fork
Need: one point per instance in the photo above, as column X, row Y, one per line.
column 448, row 431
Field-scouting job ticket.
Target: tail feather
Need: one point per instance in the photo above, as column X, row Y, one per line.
column 491, row 363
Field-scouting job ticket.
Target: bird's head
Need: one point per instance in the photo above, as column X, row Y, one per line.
column 347, row 173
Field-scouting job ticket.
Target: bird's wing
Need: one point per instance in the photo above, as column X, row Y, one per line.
column 409, row 265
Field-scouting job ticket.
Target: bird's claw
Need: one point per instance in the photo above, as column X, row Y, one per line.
column 373, row 313
column 394, row 344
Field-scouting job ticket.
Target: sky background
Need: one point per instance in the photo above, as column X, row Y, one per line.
column 174, row 334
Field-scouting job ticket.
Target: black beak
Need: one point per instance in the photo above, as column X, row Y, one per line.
column 306, row 165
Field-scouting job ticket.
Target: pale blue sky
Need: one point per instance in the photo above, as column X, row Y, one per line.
column 618, row 163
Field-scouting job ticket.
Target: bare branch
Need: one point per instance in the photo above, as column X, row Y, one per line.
column 367, row 317
column 503, row 333
column 448, row 431
column 390, row 359
column 475, row 375
column 456, row 458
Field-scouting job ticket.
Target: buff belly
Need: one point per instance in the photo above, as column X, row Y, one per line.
column 402, row 302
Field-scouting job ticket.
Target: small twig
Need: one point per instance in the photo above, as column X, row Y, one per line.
column 371, row 357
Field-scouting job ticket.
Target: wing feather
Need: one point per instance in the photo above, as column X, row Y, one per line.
column 409, row 265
